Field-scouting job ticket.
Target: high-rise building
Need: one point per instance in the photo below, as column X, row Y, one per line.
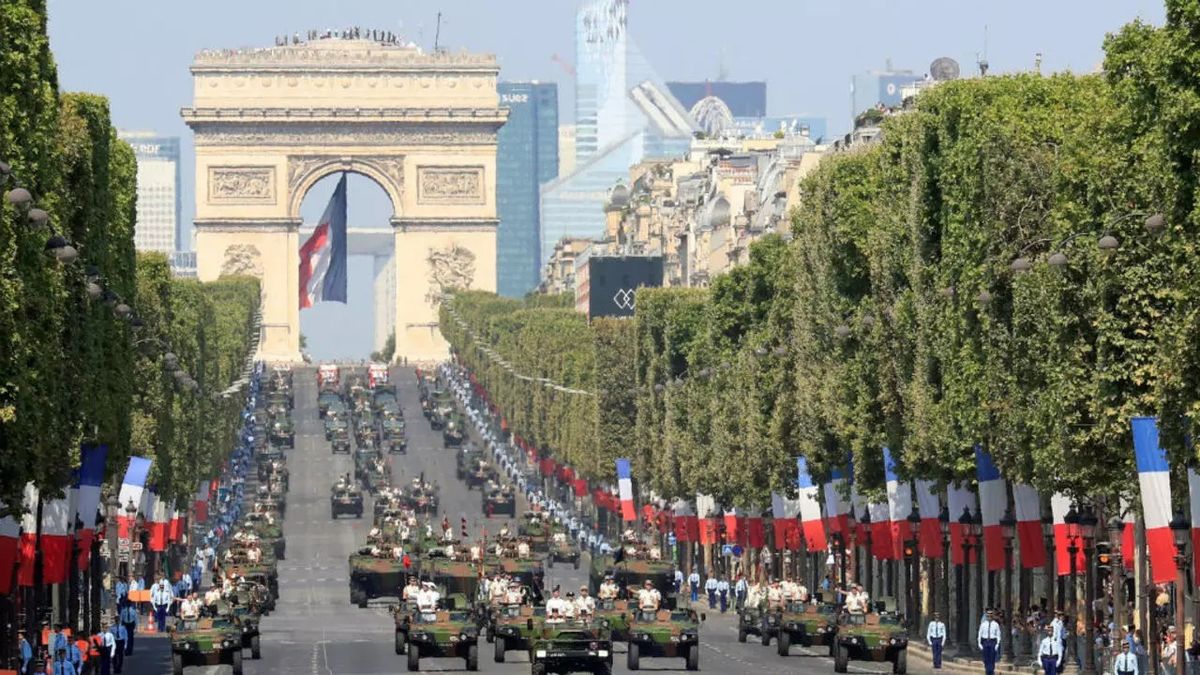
column 566, row 149
column 876, row 87
column 527, row 156
column 744, row 99
column 159, row 224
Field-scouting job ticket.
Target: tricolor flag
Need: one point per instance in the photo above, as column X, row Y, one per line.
column 858, row 507
column 686, row 526
column 881, row 532
column 1060, row 504
column 959, row 499
column 200, row 504
column 323, row 256
column 87, row 499
column 1194, row 498
column 810, row 508
column 1154, row 477
column 931, row 529
column 132, row 487
column 157, row 521
column 993, row 502
column 837, row 510
column 787, row 528
column 706, row 507
column 29, row 529
column 176, row 525
column 899, row 496
column 10, row 534
column 625, row 488
column 1128, row 532
column 735, row 526
column 1029, row 526
column 755, row 536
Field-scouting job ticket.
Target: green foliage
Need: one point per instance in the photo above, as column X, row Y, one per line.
column 389, row 350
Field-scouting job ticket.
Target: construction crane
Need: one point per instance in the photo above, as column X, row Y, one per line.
column 570, row 69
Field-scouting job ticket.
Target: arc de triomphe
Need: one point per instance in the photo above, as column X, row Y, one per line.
column 269, row 123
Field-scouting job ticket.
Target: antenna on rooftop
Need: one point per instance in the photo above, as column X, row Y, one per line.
column 722, row 68
column 438, row 33
column 982, row 61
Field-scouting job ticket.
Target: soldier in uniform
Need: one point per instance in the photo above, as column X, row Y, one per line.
column 585, row 604
column 988, row 641
column 649, row 597
column 935, row 635
column 1050, row 653
column 556, row 607
column 608, row 589
column 411, row 590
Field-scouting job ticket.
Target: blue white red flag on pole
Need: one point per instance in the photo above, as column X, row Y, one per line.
column 1154, row 477
column 1029, row 526
column 10, row 533
column 625, row 488
column 87, row 498
column 810, row 508
column 787, row 529
column 881, row 532
column 1064, row 534
column 200, row 503
column 1128, row 553
column 158, row 518
column 837, row 507
column 899, row 495
column 29, row 527
column 323, row 256
column 687, row 526
column 993, row 502
column 960, row 500
column 930, row 536
column 58, row 519
column 132, row 487
column 1194, row 498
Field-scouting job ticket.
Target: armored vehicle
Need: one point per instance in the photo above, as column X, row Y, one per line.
column 206, row 642
column 798, row 623
column 870, row 637
column 345, row 500
column 535, row 527
column 563, row 550
column 465, row 462
column 454, row 431
column 664, row 634
column 458, row 580
column 273, row 470
column 245, row 610
column 750, row 622
column 261, row 573
column 340, row 442
column 499, row 500
column 510, row 627
column 325, row 400
column 392, row 435
column 571, row 647
column 269, row 531
column 634, row 571
column 335, row 426
column 443, row 634
column 375, row 573
column 283, row 433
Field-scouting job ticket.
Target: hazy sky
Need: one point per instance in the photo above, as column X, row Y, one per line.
column 137, row 53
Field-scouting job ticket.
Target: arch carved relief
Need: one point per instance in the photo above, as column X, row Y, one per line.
column 305, row 170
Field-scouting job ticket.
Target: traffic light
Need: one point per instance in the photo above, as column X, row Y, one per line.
column 1104, row 560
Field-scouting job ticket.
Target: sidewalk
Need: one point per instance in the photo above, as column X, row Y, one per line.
column 918, row 653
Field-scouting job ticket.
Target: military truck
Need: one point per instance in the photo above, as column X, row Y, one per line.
column 325, row 399
column 273, row 470
column 283, row 433
column 269, row 531
column 245, row 610
column 454, row 431
column 563, row 550
column 466, row 460
column 616, row 614
column 206, row 642
column 664, row 634
column 529, row 572
column 498, row 500
column 262, row 573
column 457, row 580
column 443, row 634
column 799, row 623
column 375, row 576
column 750, row 622
column 509, row 628
column 392, row 435
column 633, row 572
column 571, row 647
column 340, row 442
column 345, row 500
column 335, row 426
column 870, row 637
column 535, row 527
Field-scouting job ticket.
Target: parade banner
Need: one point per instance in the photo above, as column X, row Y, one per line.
column 810, row 508
column 132, row 487
column 1128, row 535
column 157, row 521
column 993, row 502
column 87, row 498
column 960, row 499
column 706, row 507
column 1060, row 504
column 735, row 526
column 625, row 488
column 1155, row 481
column 930, row 535
column 756, row 536
column 899, row 496
column 1029, row 526
column 200, row 504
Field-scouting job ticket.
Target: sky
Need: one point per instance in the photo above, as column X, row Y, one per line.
column 137, row 52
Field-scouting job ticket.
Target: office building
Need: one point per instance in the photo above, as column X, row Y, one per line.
column 526, row 157
column 744, row 99
column 159, row 224
column 879, row 87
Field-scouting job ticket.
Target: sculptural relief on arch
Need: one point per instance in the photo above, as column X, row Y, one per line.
column 270, row 123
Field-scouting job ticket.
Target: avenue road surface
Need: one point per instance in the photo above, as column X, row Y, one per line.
column 315, row 630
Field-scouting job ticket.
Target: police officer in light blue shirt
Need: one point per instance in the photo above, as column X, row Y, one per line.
column 129, row 621
column 26, row 653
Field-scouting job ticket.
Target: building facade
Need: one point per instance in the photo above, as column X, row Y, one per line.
column 879, row 87
column 159, row 223
column 527, row 157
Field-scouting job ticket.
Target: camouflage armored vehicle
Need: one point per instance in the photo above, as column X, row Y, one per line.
column 392, row 435
column 334, row 426
column 466, row 460
column 373, row 576
column 457, row 580
column 571, row 647
column 326, row 400
column 535, row 527
column 340, row 442
column 283, row 433
column 870, row 637
column 499, row 500
column 798, row 623
column 443, row 634
column 269, row 531
column 509, row 628
column 617, row 614
column 262, row 573
column 244, row 610
column 365, row 433
column 633, row 572
column 345, row 500
column 402, row 618
column 664, row 634
column 376, row 476
column 273, row 470
column 206, row 642
column 563, row 549
column 454, row 431
column 750, row 622
column 265, row 452
column 421, row 498
column 441, row 403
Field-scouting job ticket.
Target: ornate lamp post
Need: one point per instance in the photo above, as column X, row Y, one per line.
column 944, row 597
column 852, row 550
column 964, row 598
column 131, row 514
column 868, row 564
column 839, row 545
column 1181, row 529
column 913, row 584
column 1087, row 528
column 1051, row 565
column 1116, row 528
column 977, row 544
column 1008, row 526
column 1072, row 522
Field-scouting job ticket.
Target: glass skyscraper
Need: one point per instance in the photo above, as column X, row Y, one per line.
column 159, row 224
column 526, row 157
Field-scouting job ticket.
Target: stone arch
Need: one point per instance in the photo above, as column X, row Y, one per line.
column 306, row 170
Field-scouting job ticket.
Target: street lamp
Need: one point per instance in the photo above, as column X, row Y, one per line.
column 867, row 561
column 944, row 528
column 976, row 540
column 1051, row 564
column 964, row 602
column 1181, row 529
column 1087, row 527
column 1071, row 519
column 1008, row 526
column 913, row 563
column 1116, row 527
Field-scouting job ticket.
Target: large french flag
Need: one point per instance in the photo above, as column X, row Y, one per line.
column 960, row 499
column 810, row 508
column 837, row 510
column 58, row 521
column 1029, row 526
column 158, row 521
column 1060, row 504
column 735, row 526
column 881, row 532
column 1154, row 477
column 1128, row 532
column 756, row 537
column 87, row 498
column 200, row 503
column 28, row 544
column 323, row 256
column 993, row 502
column 686, row 526
column 930, row 509
column 706, row 506
column 899, row 495
column 1194, row 498
column 787, row 528
column 625, row 488
column 10, row 535
column 132, row 487
column 176, row 525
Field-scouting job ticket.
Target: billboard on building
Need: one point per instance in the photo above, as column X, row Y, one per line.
column 607, row 285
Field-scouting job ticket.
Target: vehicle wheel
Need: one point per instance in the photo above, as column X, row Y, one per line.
column 414, row 658
column 177, row 664
column 473, row 657
column 401, row 643
column 255, row 648
column 693, row 657
column 741, row 635
column 333, row 513
column 633, row 656
column 501, row 647
column 577, row 563
column 358, row 514
column 550, row 562
column 765, row 638
column 537, row 669
column 900, row 665
column 841, row 661
column 784, row 642
column 237, row 662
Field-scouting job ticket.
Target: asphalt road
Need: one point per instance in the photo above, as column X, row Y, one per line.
column 316, row 631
